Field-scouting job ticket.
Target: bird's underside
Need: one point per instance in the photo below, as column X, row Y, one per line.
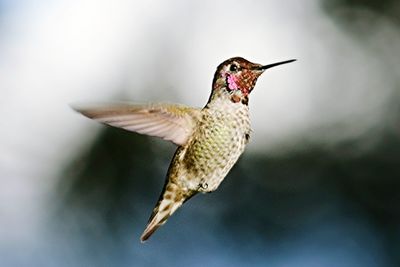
column 203, row 162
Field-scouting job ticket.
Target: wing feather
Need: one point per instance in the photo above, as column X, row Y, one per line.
column 171, row 122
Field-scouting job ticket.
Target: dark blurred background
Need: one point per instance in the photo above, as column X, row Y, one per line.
column 319, row 185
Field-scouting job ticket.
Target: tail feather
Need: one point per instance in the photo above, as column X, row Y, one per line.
column 170, row 200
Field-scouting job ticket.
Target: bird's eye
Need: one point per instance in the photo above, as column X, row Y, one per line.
column 233, row 68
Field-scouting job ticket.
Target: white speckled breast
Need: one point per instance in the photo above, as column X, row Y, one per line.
column 220, row 138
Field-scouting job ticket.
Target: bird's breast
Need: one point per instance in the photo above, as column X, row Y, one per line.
column 218, row 141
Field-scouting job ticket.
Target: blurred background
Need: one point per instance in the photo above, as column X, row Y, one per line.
column 317, row 186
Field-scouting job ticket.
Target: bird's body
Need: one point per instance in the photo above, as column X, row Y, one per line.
column 210, row 140
column 201, row 164
column 217, row 141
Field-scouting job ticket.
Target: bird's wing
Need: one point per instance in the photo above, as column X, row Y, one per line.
column 169, row 121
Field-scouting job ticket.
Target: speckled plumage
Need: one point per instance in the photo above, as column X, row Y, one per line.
column 210, row 140
column 216, row 144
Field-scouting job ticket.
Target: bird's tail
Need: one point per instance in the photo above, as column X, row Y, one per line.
column 172, row 197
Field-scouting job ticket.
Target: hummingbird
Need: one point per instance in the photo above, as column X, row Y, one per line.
column 209, row 139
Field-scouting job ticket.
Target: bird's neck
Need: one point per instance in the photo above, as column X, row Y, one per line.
column 227, row 102
column 224, row 95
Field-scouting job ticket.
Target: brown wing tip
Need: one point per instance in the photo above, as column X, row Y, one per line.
column 75, row 107
column 94, row 109
column 84, row 110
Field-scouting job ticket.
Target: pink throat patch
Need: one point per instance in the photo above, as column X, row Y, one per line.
column 232, row 82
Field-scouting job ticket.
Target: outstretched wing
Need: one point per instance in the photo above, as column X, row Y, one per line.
column 169, row 121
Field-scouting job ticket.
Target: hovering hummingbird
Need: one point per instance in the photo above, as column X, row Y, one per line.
column 210, row 139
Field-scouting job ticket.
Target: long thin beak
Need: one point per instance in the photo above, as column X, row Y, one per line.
column 276, row 64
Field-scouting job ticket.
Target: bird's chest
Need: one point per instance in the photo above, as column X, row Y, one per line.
column 225, row 128
column 219, row 140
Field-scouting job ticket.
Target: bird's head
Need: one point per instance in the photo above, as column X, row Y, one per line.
column 238, row 76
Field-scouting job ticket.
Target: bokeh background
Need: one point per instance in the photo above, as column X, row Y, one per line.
column 319, row 184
